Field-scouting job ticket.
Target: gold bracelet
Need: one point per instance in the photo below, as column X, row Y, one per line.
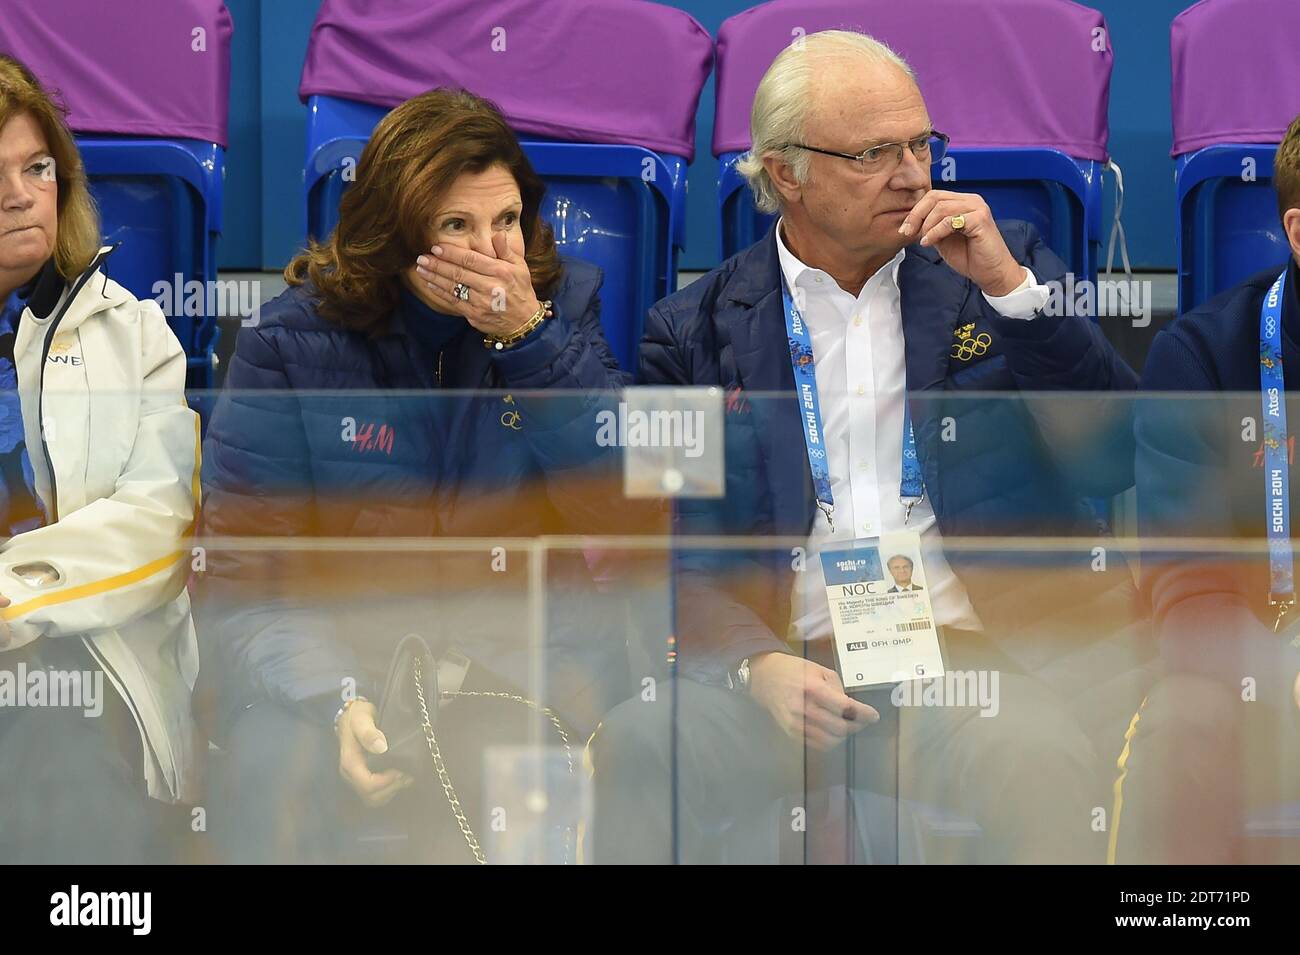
column 500, row 344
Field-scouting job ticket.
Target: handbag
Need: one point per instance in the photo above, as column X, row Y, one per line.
column 402, row 712
column 408, row 714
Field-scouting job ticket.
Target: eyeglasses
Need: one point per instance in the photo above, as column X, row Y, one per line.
column 929, row 148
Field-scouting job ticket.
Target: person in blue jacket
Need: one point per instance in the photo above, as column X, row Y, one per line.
column 916, row 302
column 399, row 392
column 1216, row 738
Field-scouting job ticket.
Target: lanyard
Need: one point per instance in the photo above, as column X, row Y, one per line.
column 1277, row 480
column 911, row 488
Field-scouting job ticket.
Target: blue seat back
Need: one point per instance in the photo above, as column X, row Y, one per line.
column 1228, row 223
column 161, row 198
column 1058, row 194
column 618, row 207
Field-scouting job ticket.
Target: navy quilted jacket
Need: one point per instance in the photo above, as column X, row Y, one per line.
column 1020, row 461
column 327, row 434
column 1199, row 478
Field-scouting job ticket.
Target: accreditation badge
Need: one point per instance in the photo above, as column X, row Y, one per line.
column 880, row 608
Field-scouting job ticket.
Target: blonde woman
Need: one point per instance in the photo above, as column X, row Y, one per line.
column 98, row 491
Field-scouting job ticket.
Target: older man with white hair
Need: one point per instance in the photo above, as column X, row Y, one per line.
column 881, row 300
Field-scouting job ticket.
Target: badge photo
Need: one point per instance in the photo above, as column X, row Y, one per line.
column 880, row 608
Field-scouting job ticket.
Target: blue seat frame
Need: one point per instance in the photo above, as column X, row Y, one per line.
column 162, row 199
column 1228, row 224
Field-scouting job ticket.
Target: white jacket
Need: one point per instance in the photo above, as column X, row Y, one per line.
column 117, row 467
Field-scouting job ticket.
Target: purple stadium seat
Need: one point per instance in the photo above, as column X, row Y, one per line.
column 597, row 71
column 1236, row 88
column 1236, row 72
column 151, row 119
column 163, row 78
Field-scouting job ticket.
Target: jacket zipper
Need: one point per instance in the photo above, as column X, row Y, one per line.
column 40, row 394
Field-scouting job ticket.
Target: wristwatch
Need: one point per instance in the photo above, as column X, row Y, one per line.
column 738, row 678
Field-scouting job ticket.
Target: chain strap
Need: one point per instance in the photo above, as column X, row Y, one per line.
column 544, row 710
column 435, row 754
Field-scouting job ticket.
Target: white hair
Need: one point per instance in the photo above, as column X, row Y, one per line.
column 781, row 105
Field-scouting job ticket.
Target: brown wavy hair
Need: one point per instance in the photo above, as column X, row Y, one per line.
column 78, row 240
column 414, row 155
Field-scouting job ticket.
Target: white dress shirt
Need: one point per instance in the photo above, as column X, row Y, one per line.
column 857, row 345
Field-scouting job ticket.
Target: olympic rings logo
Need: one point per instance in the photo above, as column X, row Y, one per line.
column 972, row 347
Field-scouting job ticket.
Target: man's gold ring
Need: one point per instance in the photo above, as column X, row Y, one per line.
column 958, row 223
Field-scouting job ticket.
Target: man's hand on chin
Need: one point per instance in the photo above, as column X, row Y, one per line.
column 976, row 250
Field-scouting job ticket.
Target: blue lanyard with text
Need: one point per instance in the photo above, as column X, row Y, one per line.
column 1277, row 479
column 911, row 487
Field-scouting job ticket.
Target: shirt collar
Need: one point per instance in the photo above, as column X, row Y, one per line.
column 793, row 269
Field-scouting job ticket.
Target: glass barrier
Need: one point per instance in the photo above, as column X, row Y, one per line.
column 570, row 628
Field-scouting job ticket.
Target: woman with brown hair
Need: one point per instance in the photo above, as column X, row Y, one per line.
column 464, row 363
column 98, row 494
